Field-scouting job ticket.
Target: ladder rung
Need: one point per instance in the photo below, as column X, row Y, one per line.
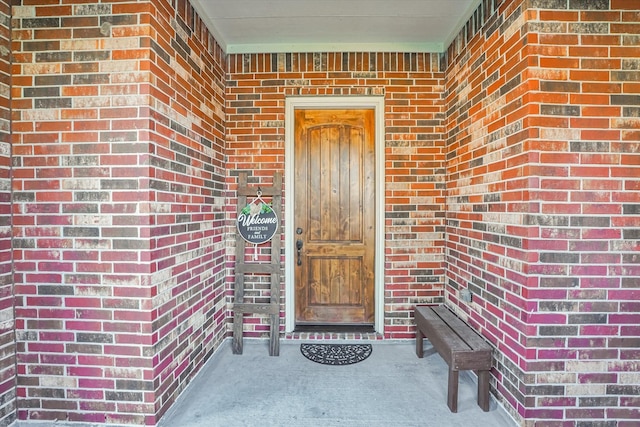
column 272, row 308
column 257, row 268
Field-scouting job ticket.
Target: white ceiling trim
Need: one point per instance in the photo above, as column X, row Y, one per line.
column 333, row 47
column 290, row 26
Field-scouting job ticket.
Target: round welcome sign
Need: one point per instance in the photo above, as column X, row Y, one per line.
column 257, row 223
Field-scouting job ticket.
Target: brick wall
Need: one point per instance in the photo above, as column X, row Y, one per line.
column 118, row 119
column 186, row 181
column 7, row 340
column 412, row 85
column 543, row 190
column 525, row 135
column 488, row 182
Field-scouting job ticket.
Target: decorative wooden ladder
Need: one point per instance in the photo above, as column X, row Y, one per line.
column 273, row 268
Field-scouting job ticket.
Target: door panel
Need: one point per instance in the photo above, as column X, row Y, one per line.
column 335, row 212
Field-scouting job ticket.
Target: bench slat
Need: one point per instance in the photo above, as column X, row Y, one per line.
column 438, row 330
column 470, row 337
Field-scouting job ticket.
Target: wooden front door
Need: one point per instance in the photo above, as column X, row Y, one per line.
column 334, row 216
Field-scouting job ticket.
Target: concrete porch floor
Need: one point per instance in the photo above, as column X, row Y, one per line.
column 390, row 388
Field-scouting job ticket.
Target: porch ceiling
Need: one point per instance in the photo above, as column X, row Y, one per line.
column 273, row 26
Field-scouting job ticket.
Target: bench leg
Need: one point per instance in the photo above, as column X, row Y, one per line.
column 419, row 346
column 452, row 391
column 483, row 390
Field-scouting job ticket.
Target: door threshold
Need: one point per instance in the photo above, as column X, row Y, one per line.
column 359, row 329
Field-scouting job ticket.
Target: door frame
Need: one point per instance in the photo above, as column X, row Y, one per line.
column 293, row 103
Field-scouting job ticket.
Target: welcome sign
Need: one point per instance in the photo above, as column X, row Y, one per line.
column 257, row 223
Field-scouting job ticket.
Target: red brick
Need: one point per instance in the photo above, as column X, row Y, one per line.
column 625, row 4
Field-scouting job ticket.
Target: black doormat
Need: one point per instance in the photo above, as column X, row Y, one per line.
column 336, row 354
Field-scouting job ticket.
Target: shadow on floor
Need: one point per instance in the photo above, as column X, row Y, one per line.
column 390, row 388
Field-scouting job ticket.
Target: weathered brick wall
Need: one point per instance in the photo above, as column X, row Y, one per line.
column 81, row 220
column 587, row 218
column 120, row 194
column 412, row 85
column 7, row 337
column 186, row 179
column 118, row 180
column 488, row 185
column 544, row 189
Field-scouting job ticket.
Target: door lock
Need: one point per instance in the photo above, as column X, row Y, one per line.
column 299, row 248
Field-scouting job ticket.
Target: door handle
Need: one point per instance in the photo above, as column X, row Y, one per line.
column 299, row 249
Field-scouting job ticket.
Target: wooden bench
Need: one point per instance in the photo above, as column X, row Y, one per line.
column 459, row 345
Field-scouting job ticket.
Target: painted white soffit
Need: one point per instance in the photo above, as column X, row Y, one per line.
column 276, row 26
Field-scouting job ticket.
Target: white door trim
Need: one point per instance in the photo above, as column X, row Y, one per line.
column 337, row 102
